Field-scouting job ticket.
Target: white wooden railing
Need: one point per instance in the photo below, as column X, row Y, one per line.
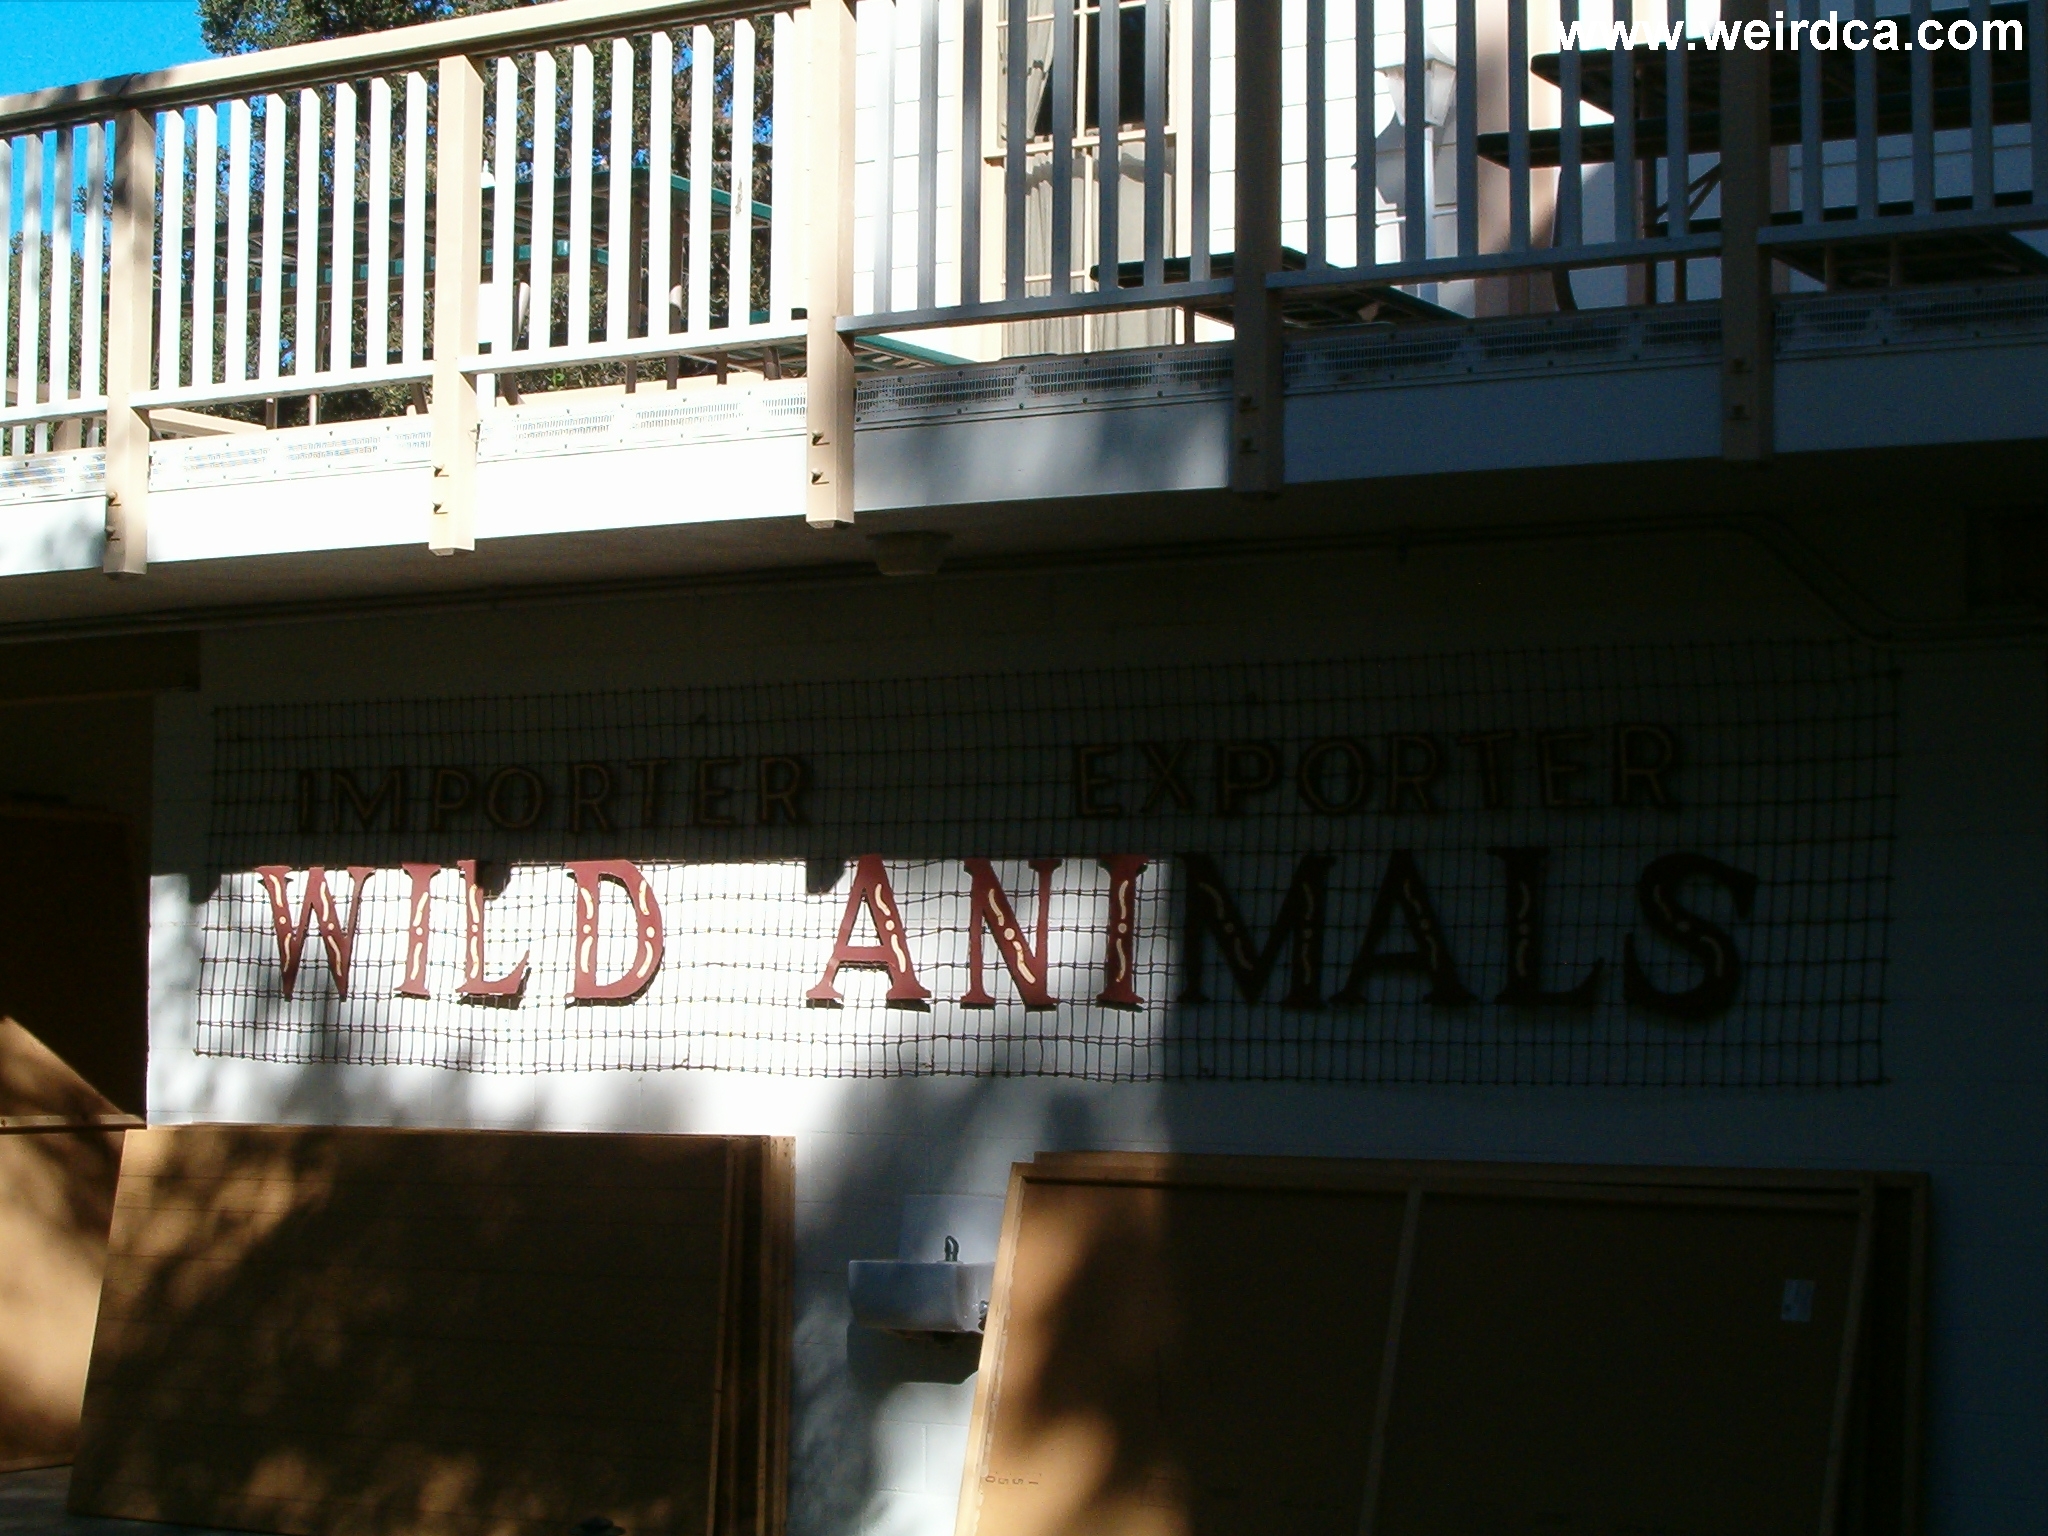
column 468, row 209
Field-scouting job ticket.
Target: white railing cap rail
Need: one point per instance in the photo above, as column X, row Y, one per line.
column 536, row 26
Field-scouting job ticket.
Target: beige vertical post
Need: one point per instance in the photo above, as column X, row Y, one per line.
column 131, row 291
column 1747, row 388
column 828, row 288
column 458, row 268
column 1258, row 464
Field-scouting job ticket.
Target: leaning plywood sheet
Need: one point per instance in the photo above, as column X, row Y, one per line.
column 39, row 1089
column 1225, row 1346
column 479, row 1334
column 56, row 1197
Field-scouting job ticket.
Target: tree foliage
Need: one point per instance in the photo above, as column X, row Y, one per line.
column 249, row 26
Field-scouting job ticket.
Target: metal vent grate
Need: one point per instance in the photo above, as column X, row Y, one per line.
column 1607, row 339
column 53, row 476
column 1047, row 383
column 1817, row 324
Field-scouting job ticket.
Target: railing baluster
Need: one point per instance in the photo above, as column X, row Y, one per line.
column 502, row 327
column 7, row 396
column 1677, row 144
column 547, row 117
column 1318, row 148
column 270, row 297
column 170, row 261
column 60, row 268
column 786, row 170
column 1155, row 142
column 740, row 226
column 1981, row 189
column 618, row 238
column 377, row 232
column 1570, row 225
column 412, row 316
column 1812, row 167
column 582, row 109
column 205, row 238
column 661, row 140
column 1366, row 110
column 882, row 245
column 130, row 279
column 235, row 342
column 702, row 85
column 1063, row 65
column 306, row 279
column 971, row 25
column 928, row 155
column 91, row 310
column 1108, row 140
column 2037, row 96
column 1416, row 211
column 1015, row 131
column 1468, row 126
column 1627, row 224
column 1518, row 129
column 1865, row 67
column 1922, row 74
column 341, row 287
column 28, row 349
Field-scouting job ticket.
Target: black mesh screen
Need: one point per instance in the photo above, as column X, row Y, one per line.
column 1415, row 863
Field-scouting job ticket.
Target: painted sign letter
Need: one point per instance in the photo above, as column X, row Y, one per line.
column 474, row 982
column 890, row 952
column 989, row 907
column 589, row 875
column 337, row 935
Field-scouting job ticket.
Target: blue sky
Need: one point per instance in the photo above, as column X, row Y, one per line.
column 62, row 42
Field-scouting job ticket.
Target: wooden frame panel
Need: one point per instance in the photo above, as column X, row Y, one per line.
column 315, row 1331
column 1538, row 1331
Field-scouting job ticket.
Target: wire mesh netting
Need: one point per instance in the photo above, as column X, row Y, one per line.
column 1624, row 866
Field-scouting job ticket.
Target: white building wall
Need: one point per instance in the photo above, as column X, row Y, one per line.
column 879, row 1431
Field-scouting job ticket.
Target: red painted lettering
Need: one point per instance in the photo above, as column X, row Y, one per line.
column 1120, row 933
column 316, row 907
column 890, row 952
column 990, row 908
column 418, row 906
column 474, row 982
column 590, row 875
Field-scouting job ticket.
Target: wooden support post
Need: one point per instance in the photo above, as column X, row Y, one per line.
column 828, row 287
column 1258, row 464
column 131, row 291
column 1747, row 388
column 458, row 268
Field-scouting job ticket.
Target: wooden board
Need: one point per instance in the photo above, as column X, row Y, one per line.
column 56, row 1198
column 1183, row 1345
column 73, row 944
column 328, row 1332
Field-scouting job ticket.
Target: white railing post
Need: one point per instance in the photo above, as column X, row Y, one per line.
column 1258, row 465
column 458, row 267
column 131, row 286
column 828, row 382
column 1748, row 388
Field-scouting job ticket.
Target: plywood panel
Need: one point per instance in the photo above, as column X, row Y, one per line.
column 1576, row 1365
column 56, row 1198
column 1175, row 1359
column 1198, row 1346
column 343, row 1331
